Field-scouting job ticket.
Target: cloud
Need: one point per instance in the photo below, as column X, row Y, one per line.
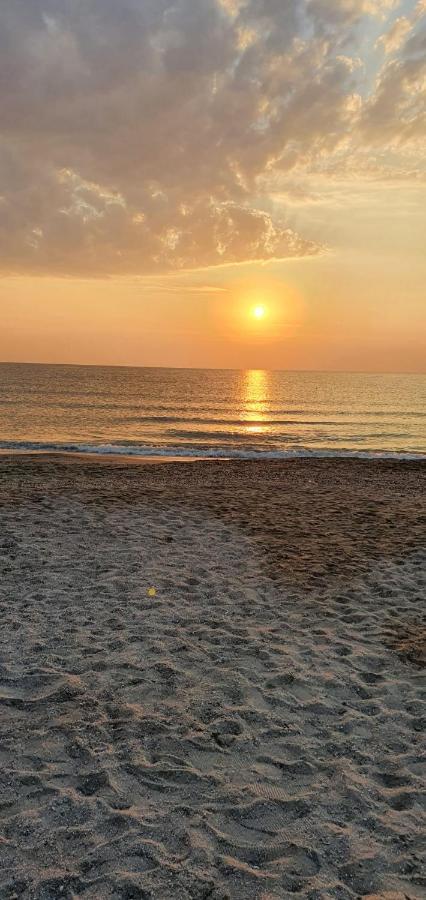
column 349, row 11
column 135, row 133
column 392, row 40
column 396, row 109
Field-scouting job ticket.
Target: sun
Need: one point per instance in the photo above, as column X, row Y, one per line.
column 259, row 312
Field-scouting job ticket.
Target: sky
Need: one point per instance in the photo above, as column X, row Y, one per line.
column 168, row 166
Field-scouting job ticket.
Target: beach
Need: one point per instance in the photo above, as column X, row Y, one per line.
column 210, row 678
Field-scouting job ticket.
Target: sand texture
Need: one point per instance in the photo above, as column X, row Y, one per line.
column 255, row 729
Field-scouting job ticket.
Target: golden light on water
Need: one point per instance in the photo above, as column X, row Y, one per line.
column 255, row 393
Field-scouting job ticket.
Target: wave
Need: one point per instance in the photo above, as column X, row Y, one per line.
column 232, row 423
column 316, row 417
column 192, row 412
column 189, row 452
column 229, row 437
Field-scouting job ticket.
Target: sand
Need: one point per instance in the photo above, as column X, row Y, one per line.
column 255, row 729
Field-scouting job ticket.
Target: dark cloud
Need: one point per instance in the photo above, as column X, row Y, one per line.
column 134, row 132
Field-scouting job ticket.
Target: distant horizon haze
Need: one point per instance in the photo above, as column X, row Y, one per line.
column 325, row 371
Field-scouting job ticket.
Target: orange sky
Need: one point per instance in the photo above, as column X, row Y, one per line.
column 164, row 169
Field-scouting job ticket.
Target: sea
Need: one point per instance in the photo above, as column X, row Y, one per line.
column 232, row 413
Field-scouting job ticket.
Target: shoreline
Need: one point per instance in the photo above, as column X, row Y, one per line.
column 53, row 455
column 293, row 456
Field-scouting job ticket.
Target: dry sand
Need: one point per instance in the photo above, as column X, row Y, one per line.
column 252, row 731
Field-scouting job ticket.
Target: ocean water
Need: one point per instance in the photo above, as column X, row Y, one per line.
column 212, row 413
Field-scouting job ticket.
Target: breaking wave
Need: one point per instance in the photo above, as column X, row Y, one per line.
column 192, row 452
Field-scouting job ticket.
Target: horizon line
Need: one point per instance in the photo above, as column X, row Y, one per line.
column 210, row 368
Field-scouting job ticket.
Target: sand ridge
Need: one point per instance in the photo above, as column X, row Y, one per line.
column 253, row 730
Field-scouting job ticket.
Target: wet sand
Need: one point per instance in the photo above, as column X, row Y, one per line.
column 255, row 728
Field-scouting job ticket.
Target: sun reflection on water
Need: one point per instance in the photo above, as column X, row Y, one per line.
column 254, row 397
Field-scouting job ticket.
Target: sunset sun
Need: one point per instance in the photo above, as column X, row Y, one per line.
column 259, row 312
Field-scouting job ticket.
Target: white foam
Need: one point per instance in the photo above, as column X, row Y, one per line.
column 206, row 453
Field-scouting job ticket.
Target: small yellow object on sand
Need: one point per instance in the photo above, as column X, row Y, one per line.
column 151, row 592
